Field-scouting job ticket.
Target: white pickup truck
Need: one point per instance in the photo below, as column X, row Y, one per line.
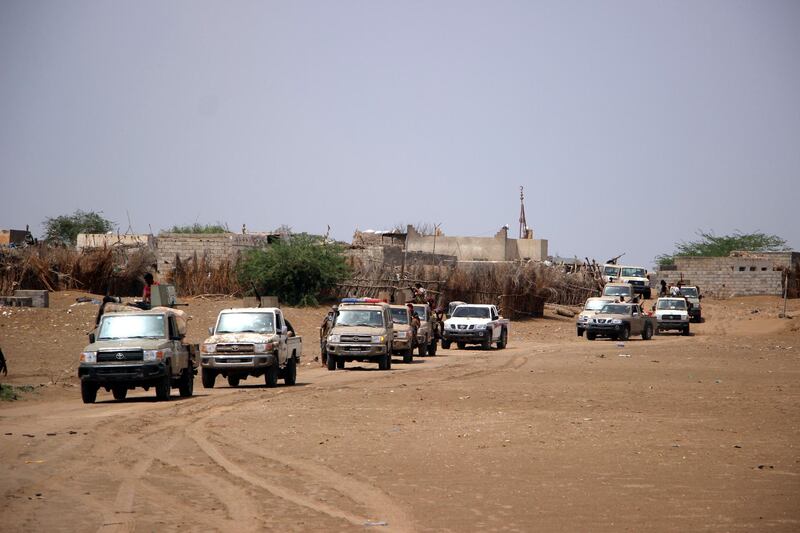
column 251, row 341
column 475, row 324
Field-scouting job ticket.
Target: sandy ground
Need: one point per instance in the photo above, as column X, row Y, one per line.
column 554, row 433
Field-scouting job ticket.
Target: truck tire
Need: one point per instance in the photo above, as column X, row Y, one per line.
column 164, row 387
column 591, row 335
column 233, row 381
column 685, row 331
column 487, row 343
column 432, row 348
column 290, row 372
column 385, row 362
column 624, row 333
column 580, row 332
column 331, row 362
column 647, row 332
column 501, row 344
column 408, row 356
column 271, row 376
column 88, row 392
column 340, row 363
column 446, row 344
column 422, row 349
column 461, row 345
column 186, row 385
column 208, row 377
column 119, row 392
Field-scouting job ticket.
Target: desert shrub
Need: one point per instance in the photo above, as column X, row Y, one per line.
column 710, row 245
column 219, row 227
column 298, row 270
column 64, row 229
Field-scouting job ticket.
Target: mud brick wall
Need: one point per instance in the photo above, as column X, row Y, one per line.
column 724, row 277
column 215, row 247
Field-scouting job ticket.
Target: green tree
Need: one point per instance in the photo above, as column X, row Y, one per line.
column 219, row 227
column 297, row 270
column 710, row 245
column 64, row 229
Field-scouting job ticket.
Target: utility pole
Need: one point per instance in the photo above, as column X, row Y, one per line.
column 523, row 224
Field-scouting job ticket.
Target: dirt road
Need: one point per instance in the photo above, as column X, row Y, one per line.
column 554, row 433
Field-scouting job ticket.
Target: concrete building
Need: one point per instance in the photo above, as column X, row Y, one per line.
column 497, row 248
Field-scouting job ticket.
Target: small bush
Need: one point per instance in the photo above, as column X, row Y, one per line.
column 64, row 229
column 298, row 270
column 200, row 228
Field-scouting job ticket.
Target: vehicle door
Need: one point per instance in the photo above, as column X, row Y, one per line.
column 179, row 354
column 279, row 328
column 387, row 319
column 494, row 316
column 636, row 320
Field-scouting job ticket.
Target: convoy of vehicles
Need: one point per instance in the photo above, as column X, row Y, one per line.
column 475, row 324
column 133, row 348
column 363, row 331
column 672, row 314
column 251, row 342
column 620, row 321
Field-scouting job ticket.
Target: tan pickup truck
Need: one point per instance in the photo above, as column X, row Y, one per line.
column 426, row 335
column 620, row 321
column 363, row 331
column 404, row 339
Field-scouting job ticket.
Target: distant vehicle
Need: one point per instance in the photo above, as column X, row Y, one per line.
column 452, row 307
column 635, row 275
column 619, row 321
column 475, row 324
column 135, row 348
column 363, row 331
column 251, row 341
column 404, row 339
column 622, row 292
column 672, row 314
column 693, row 296
column 590, row 308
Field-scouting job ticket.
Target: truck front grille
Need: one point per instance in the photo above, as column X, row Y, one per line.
column 235, row 348
column 120, row 356
column 356, row 338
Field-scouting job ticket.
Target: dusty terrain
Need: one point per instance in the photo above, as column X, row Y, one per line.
column 555, row 433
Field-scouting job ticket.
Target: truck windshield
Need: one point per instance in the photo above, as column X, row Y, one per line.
column 400, row 316
column 630, row 272
column 132, row 327
column 594, row 305
column 691, row 292
column 616, row 290
column 671, row 305
column 422, row 311
column 466, row 311
column 353, row 317
column 246, row 323
column 616, row 310
column 612, row 271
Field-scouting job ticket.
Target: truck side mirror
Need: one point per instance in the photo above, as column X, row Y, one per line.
column 210, row 331
column 284, row 330
column 91, row 338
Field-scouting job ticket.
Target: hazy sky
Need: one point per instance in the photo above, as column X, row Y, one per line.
column 630, row 124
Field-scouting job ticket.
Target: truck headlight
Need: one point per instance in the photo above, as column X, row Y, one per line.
column 89, row 357
column 208, row 347
column 333, row 338
column 377, row 338
column 401, row 334
column 262, row 347
column 153, row 355
column 480, row 326
column 616, row 321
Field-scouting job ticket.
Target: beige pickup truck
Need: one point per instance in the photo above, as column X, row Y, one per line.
column 251, row 341
column 426, row 335
column 404, row 340
column 363, row 331
column 620, row 321
column 622, row 292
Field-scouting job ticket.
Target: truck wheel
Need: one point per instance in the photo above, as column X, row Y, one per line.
column 290, row 372
column 186, row 386
column 119, row 392
column 580, row 332
column 209, row 377
column 385, row 362
column 422, row 349
column 487, row 343
column 591, row 335
column 271, row 377
column 647, row 333
column 408, row 356
column 624, row 334
column 461, row 345
column 685, row 330
column 330, row 362
column 233, row 381
column 340, row 363
column 164, row 387
column 432, row 348
column 501, row 344
column 446, row 344
column 88, row 392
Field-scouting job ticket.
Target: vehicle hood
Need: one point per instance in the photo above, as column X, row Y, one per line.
column 241, row 338
column 129, row 344
column 401, row 327
column 466, row 320
column 608, row 316
column 661, row 312
column 694, row 301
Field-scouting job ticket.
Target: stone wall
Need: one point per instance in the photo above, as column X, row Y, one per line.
column 497, row 248
column 741, row 274
column 103, row 240
column 214, row 246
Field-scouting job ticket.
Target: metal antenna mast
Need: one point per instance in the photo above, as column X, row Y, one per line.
column 523, row 224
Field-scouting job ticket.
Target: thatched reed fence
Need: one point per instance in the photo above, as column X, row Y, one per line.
column 518, row 288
